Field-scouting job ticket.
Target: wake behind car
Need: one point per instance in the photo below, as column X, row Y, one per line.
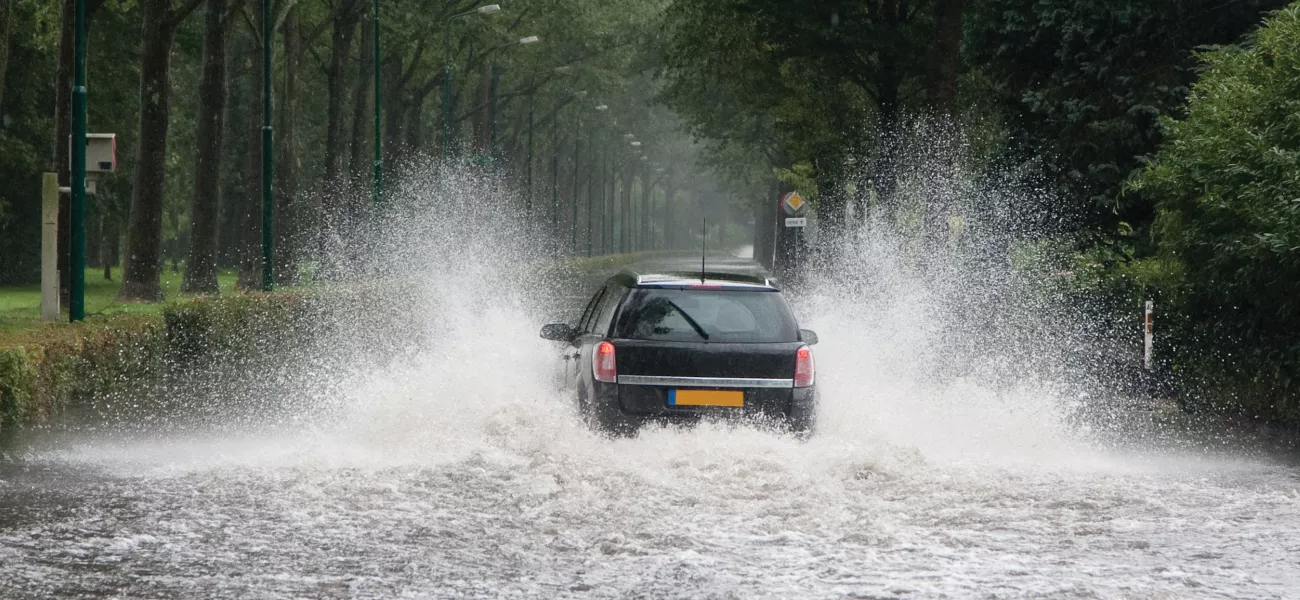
column 677, row 346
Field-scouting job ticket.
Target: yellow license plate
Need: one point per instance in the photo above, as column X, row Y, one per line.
column 706, row 398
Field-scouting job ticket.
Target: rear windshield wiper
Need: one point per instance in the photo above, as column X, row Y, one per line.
column 685, row 315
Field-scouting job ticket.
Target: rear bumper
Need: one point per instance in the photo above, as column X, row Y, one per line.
column 636, row 400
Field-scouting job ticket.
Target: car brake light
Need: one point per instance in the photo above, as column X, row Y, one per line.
column 602, row 363
column 803, row 367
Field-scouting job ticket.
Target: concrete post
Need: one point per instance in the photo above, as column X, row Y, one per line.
column 50, row 247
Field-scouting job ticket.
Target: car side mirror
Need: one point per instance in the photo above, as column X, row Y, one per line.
column 559, row 332
column 808, row 336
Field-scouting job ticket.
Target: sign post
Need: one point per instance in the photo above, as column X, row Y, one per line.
column 793, row 208
column 1148, row 331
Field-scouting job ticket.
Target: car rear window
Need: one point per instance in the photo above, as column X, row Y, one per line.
column 706, row 315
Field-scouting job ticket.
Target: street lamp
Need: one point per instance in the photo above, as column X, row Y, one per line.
column 486, row 9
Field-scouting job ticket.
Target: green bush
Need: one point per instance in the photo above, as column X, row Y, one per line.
column 49, row 371
column 1227, row 187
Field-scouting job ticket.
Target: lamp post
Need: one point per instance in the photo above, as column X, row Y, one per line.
column 77, row 216
column 486, row 9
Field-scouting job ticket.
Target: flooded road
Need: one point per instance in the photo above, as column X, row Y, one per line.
column 460, row 471
column 446, row 479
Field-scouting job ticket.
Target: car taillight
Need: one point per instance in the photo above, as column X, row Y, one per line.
column 804, row 372
column 602, row 363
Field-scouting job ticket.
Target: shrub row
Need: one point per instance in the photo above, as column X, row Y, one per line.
column 47, row 372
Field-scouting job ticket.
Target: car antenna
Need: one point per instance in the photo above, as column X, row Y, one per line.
column 704, row 240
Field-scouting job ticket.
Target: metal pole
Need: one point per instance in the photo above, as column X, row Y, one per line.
column 77, row 218
column 379, row 156
column 268, row 205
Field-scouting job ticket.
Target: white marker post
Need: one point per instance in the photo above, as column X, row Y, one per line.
column 49, row 247
column 1148, row 328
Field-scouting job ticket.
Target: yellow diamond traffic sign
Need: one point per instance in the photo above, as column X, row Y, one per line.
column 793, row 203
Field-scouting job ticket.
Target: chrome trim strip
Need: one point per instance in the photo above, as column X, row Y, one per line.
column 719, row 382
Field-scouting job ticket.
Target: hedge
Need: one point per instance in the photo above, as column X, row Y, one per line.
column 49, row 372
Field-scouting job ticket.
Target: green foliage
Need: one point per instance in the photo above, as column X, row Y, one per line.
column 1087, row 82
column 1227, row 186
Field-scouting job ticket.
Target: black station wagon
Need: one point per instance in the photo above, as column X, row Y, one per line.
column 678, row 346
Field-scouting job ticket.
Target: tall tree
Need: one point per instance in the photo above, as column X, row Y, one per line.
column 159, row 21
column 250, row 246
column 344, row 26
column 289, row 221
column 943, row 60
column 944, row 56
column 6, row 24
column 201, row 265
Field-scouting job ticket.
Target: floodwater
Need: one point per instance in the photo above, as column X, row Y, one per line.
column 463, row 474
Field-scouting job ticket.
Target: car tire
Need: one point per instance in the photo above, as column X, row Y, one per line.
column 606, row 419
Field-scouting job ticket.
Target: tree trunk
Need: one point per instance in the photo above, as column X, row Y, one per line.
column 332, row 208
column 144, row 225
column 108, row 240
column 670, row 222
column 626, row 225
column 201, row 264
column 396, row 107
column 944, row 56
column 415, row 125
column 289, row 221
column 63, row 129
column 884, row 178
column 250, row 247
column 765, row 215
column 943, row 60
column 362, row 118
